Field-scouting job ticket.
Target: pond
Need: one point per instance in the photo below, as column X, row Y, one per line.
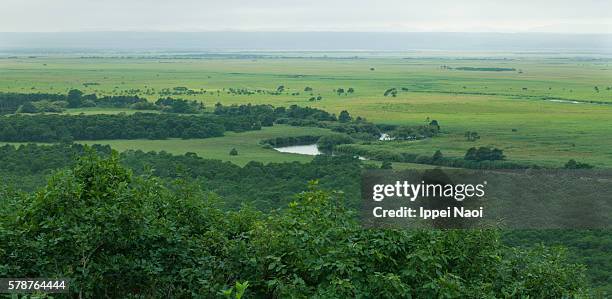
column 310, row 149
column 565, row 101
column 313, row 150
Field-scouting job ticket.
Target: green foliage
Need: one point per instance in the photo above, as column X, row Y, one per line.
column 233, row 152
column 328, row 142
column 386, row 165
column 27, row 166
column 344, row 116
column 589, row 247
column 315, row 249
column 119, row 235
column 74, row 98
column 43, row 102
column 437, row 156
column 484, row 154
column 51, row 128
column 237, row 291
column 291, row 140
column 116, row 234
column 572, row 164
column 391, row 92
column 381, row 154
column 27, row 107
column 471, row 136
column 10, row 102
column 49, row 106
column 416, row 132
column 179, row 106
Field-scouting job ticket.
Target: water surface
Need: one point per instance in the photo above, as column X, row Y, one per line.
column 310, row 149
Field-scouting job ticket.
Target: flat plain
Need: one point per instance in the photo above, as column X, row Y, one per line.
column 550, row 108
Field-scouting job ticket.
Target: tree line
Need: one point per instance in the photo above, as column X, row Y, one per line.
column 26, row 166
column 53, row 128
column 46, row 102
column 65, row 128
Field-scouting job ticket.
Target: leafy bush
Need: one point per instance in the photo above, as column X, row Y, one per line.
column 118, row 235
column 327, row 142
column 484, row 154
column 572, row 164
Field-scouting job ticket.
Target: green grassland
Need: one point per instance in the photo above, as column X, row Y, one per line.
column 96, row 110
column 246, row 143
column 508, row 109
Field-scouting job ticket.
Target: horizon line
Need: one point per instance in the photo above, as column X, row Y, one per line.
column 306, row 31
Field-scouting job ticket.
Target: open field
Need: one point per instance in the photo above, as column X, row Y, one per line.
column 507, row 108
column 246, row 143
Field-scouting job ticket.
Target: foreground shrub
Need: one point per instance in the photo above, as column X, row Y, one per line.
column 118, row 235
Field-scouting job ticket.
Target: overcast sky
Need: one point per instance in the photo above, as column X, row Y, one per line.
column 572, row 16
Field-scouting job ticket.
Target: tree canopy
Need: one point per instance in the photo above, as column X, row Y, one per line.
column 120, row 235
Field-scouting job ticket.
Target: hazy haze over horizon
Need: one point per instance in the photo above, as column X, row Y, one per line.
column 311, row 25
column 86, row 42
column 518, row 16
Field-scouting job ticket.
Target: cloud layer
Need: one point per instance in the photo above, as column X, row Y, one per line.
column 575, row 16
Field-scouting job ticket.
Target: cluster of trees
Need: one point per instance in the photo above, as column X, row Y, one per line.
column 119, row 235
column 313, row 98
column 32, row 159
column 291, row 140
column 416, row 132
column 434, row 159
column 484, row 153
column 471, row 136
column 12, row 102
column 328, row 142
column 344, row 116
column 264, row 114
column 295, row 115
column 342, row 91
column 270, row 114
column 390, row 92
column 588, row 247
column 263, row 186
column 26, row 166
column 53, row 128
column 42, row 106
column 76, row 99
column 573, row 164
column 357, row 129
column 180, row 90
column 44, row 102
column 179, row 106
column 241, row 91
column 246, row 91
column 238, row 118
